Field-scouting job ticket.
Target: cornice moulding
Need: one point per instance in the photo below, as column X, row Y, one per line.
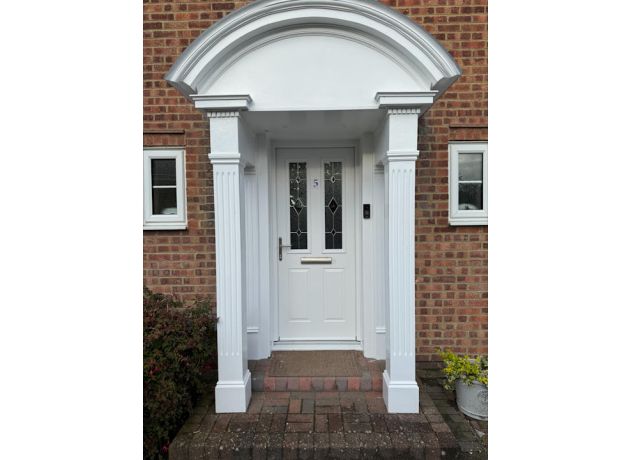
column 222, row 102
column 401, row 100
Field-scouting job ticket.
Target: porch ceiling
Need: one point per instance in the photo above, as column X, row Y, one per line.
column 315, row 125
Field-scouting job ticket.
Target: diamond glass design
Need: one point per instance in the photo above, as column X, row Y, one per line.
column 333, row 204
column 297, row 205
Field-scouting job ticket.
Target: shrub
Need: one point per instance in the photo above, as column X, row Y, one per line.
column 179, row 347
column 463, row 367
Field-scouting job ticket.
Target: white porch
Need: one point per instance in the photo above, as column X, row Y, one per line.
column 317, row 74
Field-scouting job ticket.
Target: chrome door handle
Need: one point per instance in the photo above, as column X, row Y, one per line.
column 280, row 246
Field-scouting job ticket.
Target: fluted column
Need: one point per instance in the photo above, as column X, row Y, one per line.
column 233, row 391
column 400, row 390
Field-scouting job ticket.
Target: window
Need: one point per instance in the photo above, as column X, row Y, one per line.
column 164, row 189
column 468, row 183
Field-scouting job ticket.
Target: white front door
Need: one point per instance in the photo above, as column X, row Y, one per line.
column 316, row 223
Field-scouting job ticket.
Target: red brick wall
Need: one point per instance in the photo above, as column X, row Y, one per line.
column 451, row 262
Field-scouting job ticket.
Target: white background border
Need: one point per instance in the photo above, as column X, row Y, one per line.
column 71, row 325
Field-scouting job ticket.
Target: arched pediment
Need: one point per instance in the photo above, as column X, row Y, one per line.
column 312, row 55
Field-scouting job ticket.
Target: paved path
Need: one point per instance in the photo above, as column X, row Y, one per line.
column 333, row 424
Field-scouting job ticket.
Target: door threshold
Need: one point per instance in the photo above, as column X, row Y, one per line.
column 289, row 345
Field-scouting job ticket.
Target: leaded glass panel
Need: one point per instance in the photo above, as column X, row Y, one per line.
column 297, row 205
column 333, row 204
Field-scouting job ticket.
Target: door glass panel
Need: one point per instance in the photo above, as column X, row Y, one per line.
column 297, row 205
column 333, row 204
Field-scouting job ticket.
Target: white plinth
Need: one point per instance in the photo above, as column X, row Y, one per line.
column 401, row 397
column 233, row 396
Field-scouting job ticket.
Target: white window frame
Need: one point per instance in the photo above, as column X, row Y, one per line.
column 458, row 216
column 157, row 221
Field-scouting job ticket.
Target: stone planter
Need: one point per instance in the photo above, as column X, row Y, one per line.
column 472, row 399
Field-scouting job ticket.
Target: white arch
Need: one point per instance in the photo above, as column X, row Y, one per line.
column 369, row 49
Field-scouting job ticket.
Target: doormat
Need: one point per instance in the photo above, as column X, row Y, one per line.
column 315, row 364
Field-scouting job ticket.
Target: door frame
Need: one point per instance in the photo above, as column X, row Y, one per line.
column 273, row 218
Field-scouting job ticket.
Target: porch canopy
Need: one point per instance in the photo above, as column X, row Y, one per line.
column 314, row 55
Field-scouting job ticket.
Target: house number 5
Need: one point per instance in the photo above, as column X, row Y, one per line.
column 316, row 183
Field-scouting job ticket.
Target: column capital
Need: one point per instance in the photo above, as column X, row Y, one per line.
column 402, row 155
column 224, row 114
column 404, row 111
column 226, row 158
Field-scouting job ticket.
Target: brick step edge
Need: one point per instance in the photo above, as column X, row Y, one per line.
column 369, row 382
column 345, row 451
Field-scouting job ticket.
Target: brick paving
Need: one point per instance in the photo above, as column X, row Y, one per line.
column 471, row 435
column 333, row 424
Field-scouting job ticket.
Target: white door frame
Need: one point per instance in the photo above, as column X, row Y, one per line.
column 274, row 310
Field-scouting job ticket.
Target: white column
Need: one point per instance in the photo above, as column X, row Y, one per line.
column 233, row 390
column 400, row 390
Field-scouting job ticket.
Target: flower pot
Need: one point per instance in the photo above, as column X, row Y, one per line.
column 472, row 399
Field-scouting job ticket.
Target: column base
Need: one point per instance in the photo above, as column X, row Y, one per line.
column 402, row 397
column 233, row 397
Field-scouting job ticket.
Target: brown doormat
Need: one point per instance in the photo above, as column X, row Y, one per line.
column 314, row 364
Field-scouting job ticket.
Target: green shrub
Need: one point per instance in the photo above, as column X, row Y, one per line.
column 463, row 367
column 179, row 348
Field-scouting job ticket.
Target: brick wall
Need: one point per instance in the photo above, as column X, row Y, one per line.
column 451, row 262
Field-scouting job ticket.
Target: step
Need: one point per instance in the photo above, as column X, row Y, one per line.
column 371, row 378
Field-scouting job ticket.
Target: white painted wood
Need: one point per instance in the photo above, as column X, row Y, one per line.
column 458, row 216
column 259, row 342
column 367, row 250
column 252, row 275
column 326, row 54
column 400, row 390
column 316, row 302
column 380, row 262
column 176, row 221
column 233, row 389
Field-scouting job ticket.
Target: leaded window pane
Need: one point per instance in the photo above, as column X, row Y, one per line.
column 333, row 172
column 297, row 206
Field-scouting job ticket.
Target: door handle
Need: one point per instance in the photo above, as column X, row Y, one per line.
column 316, row 260
column 280, row 246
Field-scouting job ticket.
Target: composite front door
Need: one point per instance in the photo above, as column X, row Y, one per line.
column 316, row 244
